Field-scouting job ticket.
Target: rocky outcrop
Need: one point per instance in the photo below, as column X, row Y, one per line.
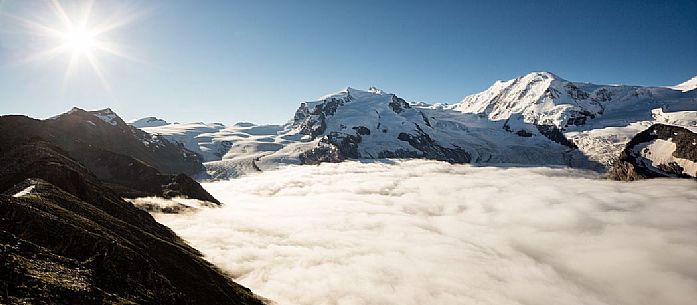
column 310, row 117
column 323, row 153
column 659, row 151
column 333, row 148
column 553, row 133
column 338, row 147
column 133, row 178
column 65, row 238
column 183, row 186
column 398, row 104
column 430, row 149
column 361, row 130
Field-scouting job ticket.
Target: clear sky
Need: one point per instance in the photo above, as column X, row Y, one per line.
column 229, row 61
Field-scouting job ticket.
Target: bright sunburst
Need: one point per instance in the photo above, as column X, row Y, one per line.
column 78, row 36
column 80, row 40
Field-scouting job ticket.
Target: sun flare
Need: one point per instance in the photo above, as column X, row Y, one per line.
column 76, row 35
column 80, row 40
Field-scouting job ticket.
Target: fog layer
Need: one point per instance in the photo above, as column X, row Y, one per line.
column 426, row 232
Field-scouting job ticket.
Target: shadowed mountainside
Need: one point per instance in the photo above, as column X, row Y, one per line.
column 130, row 161
column 65, row 238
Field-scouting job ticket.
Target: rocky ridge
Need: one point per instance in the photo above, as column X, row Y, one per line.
column 66, row 238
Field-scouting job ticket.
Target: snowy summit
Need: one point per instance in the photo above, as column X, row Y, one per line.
column 688, row 85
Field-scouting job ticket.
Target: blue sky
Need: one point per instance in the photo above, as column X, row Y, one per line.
column 228, row 61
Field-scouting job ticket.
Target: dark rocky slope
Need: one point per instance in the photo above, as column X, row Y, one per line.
column 65, row 238
column 130, row 161
column 635, row 161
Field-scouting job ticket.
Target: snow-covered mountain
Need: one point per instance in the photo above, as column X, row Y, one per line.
column 599, row 119
column 544, row 98
column 148, row 122
column 688, row 85
column 537, row 118
column 374, row 124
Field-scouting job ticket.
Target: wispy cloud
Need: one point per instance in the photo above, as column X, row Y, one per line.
column 424, row 232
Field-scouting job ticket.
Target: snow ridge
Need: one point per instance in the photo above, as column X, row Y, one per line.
column 688, row 85
column 25, row 191
column 107, row 115
column 148, row 122
column 544, row 98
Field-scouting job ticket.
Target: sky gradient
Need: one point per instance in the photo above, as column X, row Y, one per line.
column 229, row 61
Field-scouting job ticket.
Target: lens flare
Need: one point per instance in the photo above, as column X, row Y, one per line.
column 75, row 36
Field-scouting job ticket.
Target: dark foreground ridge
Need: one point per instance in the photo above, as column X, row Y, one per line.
column 130, row 161
column 66, row 238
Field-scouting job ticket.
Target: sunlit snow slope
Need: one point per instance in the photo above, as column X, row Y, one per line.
column 688, row 85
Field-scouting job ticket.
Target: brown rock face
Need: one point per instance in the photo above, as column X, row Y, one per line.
column 624, row 171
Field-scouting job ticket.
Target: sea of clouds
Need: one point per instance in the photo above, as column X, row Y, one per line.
column 426, row 232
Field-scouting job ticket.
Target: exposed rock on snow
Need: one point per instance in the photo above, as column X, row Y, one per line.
column 107, row 115
column 659, row 151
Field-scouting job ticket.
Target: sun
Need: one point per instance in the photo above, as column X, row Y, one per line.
column 80, row 40
column 75, row 34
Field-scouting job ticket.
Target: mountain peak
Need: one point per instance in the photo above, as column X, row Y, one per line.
column 541, row 75
column 376, row 90
column 107, row 115
column 71, row 111
column 688, row 85
column 150, row 121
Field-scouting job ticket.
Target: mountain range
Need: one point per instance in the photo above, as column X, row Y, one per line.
column 535, row 119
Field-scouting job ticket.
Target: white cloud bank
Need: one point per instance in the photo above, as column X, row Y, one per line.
column 425, row 232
